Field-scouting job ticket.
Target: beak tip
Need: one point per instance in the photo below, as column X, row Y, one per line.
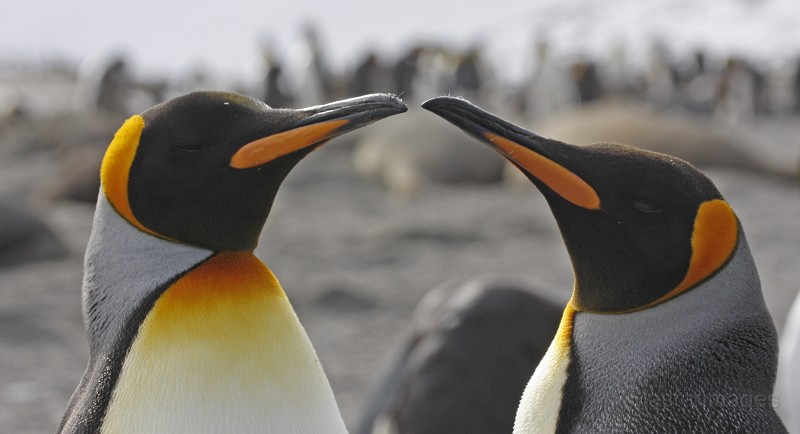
column 398, row 103
column 388, row 100
column 444, row 101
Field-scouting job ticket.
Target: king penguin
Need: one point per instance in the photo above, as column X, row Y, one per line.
column 188, row 331
column 666, row 329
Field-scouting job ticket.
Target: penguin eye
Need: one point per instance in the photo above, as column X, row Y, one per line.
column 645, row 207
column 190, row 149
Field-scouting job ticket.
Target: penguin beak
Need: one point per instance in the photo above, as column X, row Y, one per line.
column 318, row 125
column 542, row 159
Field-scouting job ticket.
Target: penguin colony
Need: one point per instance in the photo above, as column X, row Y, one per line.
column 188, row 331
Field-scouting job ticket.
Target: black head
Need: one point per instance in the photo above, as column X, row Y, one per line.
column 204, row 168
column 640, row 227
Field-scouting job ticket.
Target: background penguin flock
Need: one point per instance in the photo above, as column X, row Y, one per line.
column 666, row 328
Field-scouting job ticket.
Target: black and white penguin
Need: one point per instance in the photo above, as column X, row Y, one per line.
column 189, row 331
column 666, row 330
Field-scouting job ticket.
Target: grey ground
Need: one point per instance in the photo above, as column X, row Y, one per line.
column 354, row 261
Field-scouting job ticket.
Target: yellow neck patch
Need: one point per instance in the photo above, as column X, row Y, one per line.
column 563, row 338
column 714, row 239
column 226, row 280
column 222, row 351
column 116, row 168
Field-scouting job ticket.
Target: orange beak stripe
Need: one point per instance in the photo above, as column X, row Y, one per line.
column 562, row 181
column 266, row 149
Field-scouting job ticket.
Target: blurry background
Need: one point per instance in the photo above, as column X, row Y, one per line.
column 371, row 222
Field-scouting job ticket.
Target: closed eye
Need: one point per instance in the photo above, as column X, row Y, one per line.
column 645, row 207
column 190, row 149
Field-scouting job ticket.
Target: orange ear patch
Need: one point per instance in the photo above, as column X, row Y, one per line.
column 116, row 167
column 714, row 239
column 564, row 182
column 277, row 145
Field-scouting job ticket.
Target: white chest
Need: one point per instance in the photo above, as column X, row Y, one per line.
column 541, row 401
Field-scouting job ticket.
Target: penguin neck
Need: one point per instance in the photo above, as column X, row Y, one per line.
column 125, row 269
column 223, row 351
column 597, row 355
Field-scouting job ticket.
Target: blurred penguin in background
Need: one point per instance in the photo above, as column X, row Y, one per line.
column 405, row 71
column 469, row 73
column 312, row 78
column 550, row 89
column 276, row 91
column 370, row 76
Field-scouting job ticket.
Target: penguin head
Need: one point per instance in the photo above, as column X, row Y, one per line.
column 640, row 227
column 204, row 168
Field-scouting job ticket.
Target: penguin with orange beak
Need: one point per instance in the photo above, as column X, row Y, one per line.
column 189, row 331
column 666, row 330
